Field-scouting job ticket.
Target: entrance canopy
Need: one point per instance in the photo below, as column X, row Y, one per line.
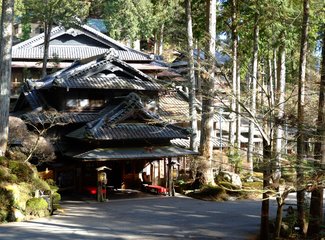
column 155, row 152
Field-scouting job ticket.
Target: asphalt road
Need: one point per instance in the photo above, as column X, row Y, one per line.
column 143, row 218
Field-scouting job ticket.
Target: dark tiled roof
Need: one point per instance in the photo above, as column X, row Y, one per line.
column 48, row 117
column 155, row 152
column 106, row 72
column 71, row 53
column 33, row 48
column 114, row 124
column 108, row 82
column 185, row 143
column 135, row 131
column 173, row 107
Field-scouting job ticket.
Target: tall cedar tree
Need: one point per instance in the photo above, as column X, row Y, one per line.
column 301, row 151
column 54, row 12
column 5, row 70
column 192, row 102
column 206, row 147
column 316, row 202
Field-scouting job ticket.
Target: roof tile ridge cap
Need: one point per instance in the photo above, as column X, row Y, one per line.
column 98, row 33
column 36, row 38
column 147, row 77
column 86, row 68
column 105, row 114
column 129, row 104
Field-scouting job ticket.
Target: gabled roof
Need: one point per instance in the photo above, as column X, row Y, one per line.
column 129, row 120
column 74, row 43
column 104, row 72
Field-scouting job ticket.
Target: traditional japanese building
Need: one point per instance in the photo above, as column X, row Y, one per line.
column 66, row 46
column 102, row 112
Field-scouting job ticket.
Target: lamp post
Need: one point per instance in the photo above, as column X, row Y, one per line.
column 220, row 133
column 172, row 174
column 101, row 183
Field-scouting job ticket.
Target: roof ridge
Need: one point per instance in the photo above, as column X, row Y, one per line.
column 107, row 38
column 37, row 38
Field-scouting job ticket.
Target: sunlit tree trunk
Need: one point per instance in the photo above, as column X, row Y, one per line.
column 161, row 40
column 316, row 202
column 280, row 104
column 238, row 110
column 206, row 147
column 301, row 151
column 5, row 70
column 275, row 68
column 234, row 37
column 193, row 114
column 250, row 147
column 155, row 47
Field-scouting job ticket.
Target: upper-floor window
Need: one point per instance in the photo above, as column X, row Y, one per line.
column 79, row 104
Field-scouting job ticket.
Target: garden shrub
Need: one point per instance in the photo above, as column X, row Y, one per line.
column 40, row 184
column 56, row 197
column 37, row 207
column 210, row 193
column 6, row 202
column 3, row 161
column 21, row 170
column 4, row 174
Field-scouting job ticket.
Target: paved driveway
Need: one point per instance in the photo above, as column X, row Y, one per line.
column 143, row 218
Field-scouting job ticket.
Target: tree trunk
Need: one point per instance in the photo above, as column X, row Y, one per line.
column 47, row 36
column 193, row 114
column 5, row 70
column 161, row 40
column 238, row 111
column 271, row 83
column 278, row 221
column 234, row 37
column 275, row 68
column 276, row 164
column 316, row 202
column 280, row 104
column 206, row 147
column 253, row 96
column 198, row 76
column 264, row 228
column 301, row 151
column 155, row 47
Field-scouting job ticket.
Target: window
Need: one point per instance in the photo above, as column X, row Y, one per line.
column 78, row 104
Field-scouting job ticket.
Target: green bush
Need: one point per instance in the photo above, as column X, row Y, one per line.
column 40, row 184
column 56, row 197
column 4, row 174
column 37, row 207
column 21, row 170
column 3, row 161
column 210, row 193
column 6, row 201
